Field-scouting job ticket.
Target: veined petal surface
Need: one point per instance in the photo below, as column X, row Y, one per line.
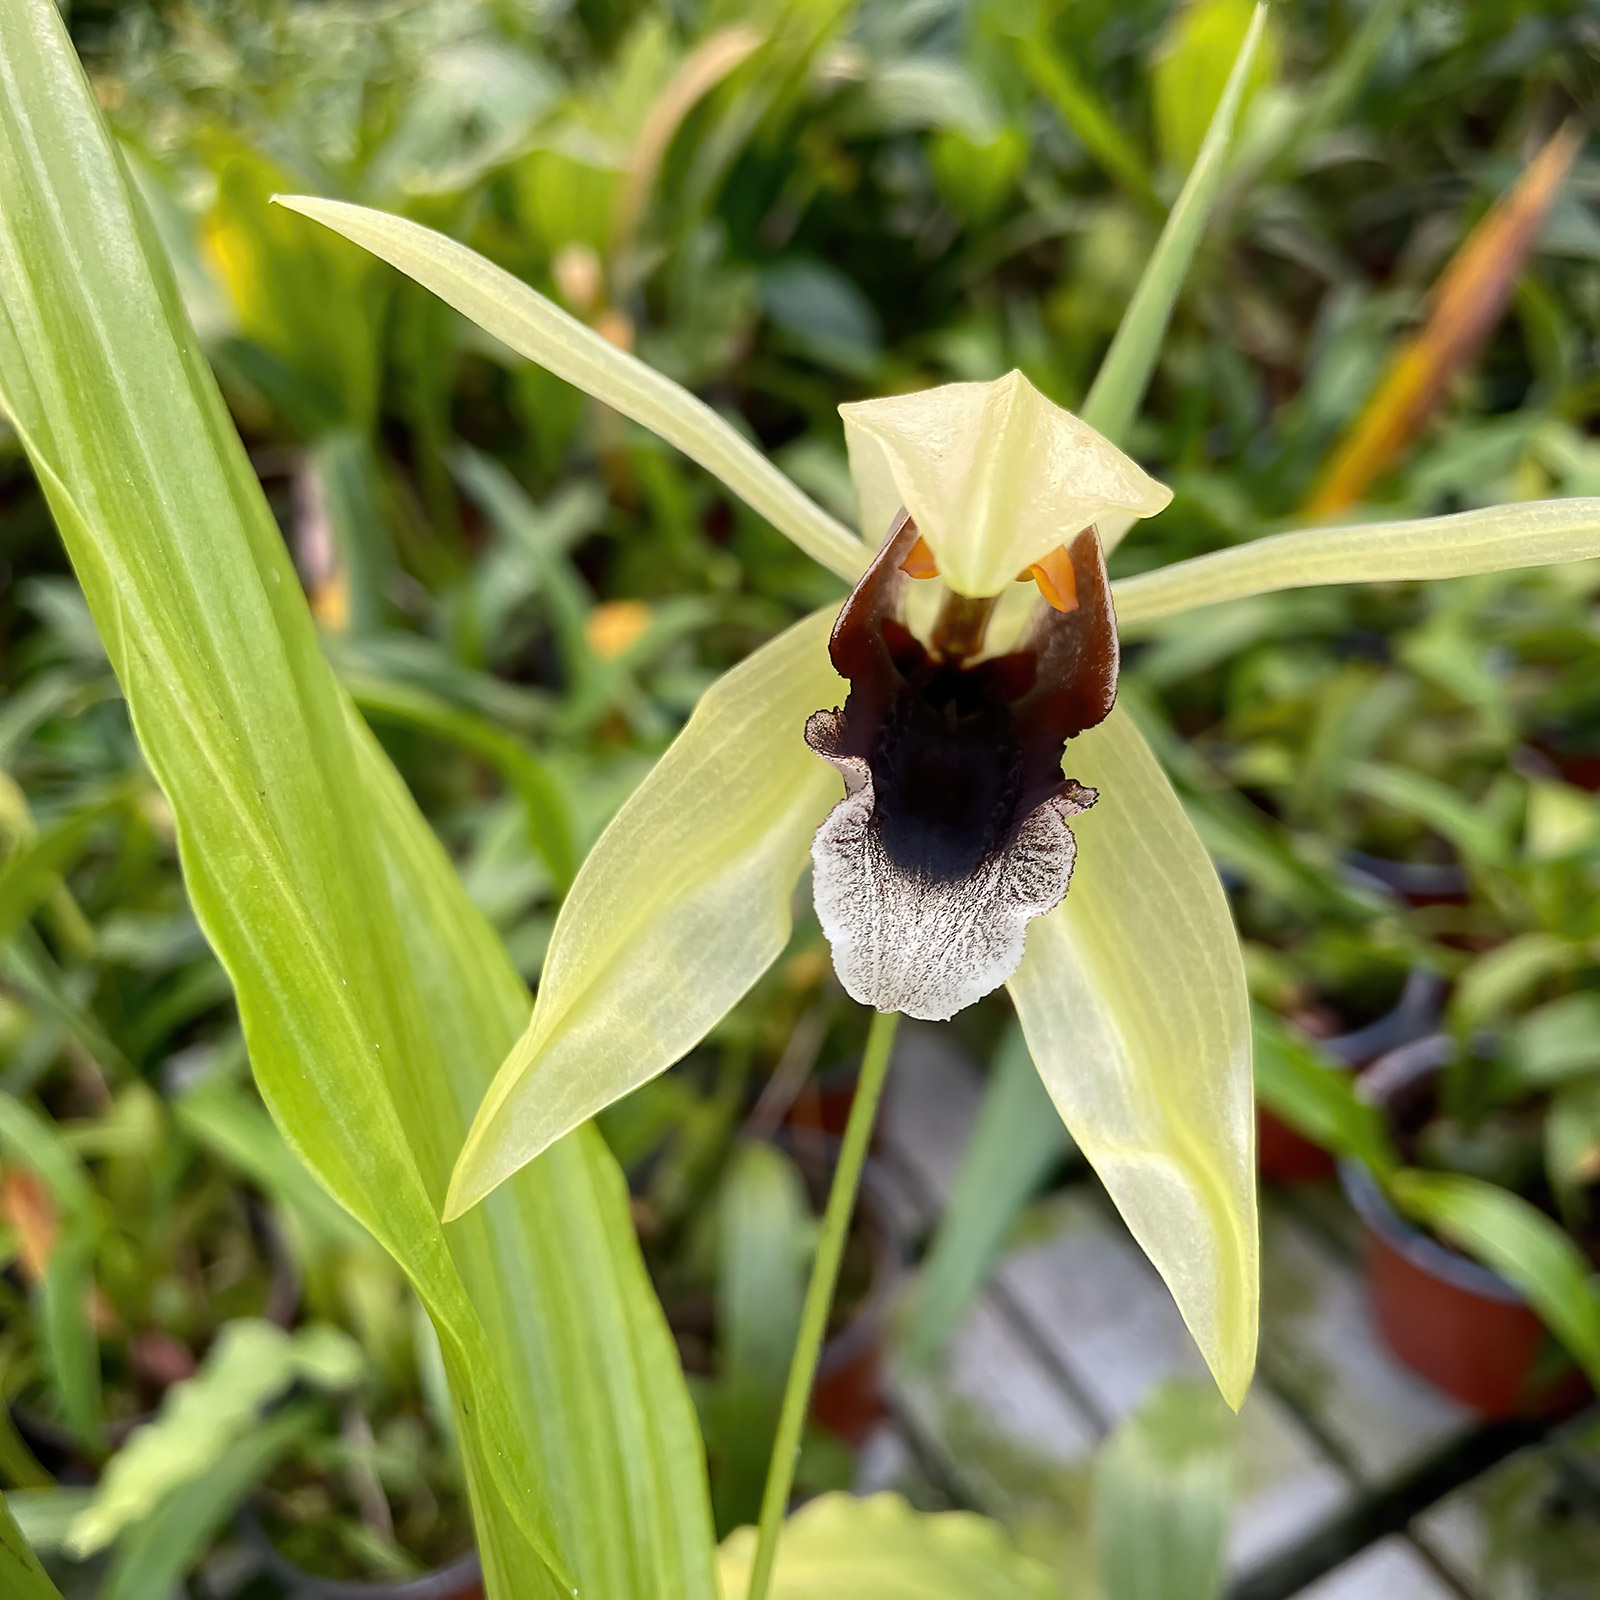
column 1132, row 998
column 994, row 475
column 1534, row 533
column 540, row 330
column 680, row 907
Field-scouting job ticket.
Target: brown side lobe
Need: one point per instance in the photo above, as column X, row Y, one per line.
column 961, row 752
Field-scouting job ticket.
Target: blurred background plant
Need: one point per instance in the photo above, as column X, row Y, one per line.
column 787, row 206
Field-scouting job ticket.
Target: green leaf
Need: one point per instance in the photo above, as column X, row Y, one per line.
column 549, row 825
column 71, row 1350
column 841, row 1548
column 1517, row 1240
column 1191, row 70
column 681, row 905
column 765, row 1240
column 536, row 328
column 1559, row 1040
column 21, row 1576
column 1315, row 1095
column 150, row 1561
column 1468, row 827
column 226, row 1120
column 1113, row 398
column 251, row 1364
column 1056, row 76
column 1533, row 534
column 34, row 870
column 1132, row 996
column 1163, row 1491
column 1017, row 1140
column 374, row 1000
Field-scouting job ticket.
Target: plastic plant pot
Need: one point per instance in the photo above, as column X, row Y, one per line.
column 459, row 1580
column 1285, row 1156
column 1450, row 1320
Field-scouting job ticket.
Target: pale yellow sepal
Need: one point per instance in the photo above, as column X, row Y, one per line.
column 679, row 908
column 1535, row 533
column 540, row 330
column 995, row 475
column 1132, row 997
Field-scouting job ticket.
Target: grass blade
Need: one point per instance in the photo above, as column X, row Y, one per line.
column 1119, row 386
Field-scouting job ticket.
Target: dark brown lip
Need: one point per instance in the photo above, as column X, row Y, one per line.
column 962, row 749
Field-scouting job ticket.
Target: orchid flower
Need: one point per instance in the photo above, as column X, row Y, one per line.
column 944, row 693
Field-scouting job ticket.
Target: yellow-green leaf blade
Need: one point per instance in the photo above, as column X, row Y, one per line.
column 303, row 857
column 678, row 909
column 840, row 1548
column 1532, row 534
column 1132, row 997
column 522, row 318
column 21, row 1576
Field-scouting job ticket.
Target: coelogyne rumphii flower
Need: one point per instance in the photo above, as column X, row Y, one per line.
column 944, row 870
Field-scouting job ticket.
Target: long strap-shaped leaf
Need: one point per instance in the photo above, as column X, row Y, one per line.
column 375, row 1002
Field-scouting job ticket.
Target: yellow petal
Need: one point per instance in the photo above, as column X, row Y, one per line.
column 1132, row 997
column 995, row 476
column 679, row 908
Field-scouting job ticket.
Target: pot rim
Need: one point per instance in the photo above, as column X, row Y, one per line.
column 1384, row 1079
column 1422, row 1251
column 449, row 1582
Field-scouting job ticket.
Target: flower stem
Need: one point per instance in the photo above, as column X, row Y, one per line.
column 819, row 1296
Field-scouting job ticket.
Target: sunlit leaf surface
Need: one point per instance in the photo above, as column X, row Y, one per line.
column 374, row 999
column 839, row 1548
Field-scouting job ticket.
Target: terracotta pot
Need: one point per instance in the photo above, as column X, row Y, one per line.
column 1457, row 1324
column 1285, row 1156
column 460, row 1580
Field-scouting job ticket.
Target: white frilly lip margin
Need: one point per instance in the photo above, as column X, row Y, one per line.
column 994, row 475
column 902, row 942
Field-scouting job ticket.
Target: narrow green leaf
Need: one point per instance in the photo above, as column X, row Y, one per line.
column 549, row 824
column 34, row 869
column 251, row 1364
column 1509, row 1236
column 1315, row 1095
column 21, row 1576
column 1016, row 1141
column 1533, row 534
column 1055, row 75
column 71, row 1349
column 1190, row 70
column 840, row 1548
column 1437, row 806
column 1163, row 1491
column 36, row 1143
column 1113, row 398
column 227, row 1121
column 151, row 1560
column 374, row 1000
column 1132, row 996
column 534, row 327
column 670, row 921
